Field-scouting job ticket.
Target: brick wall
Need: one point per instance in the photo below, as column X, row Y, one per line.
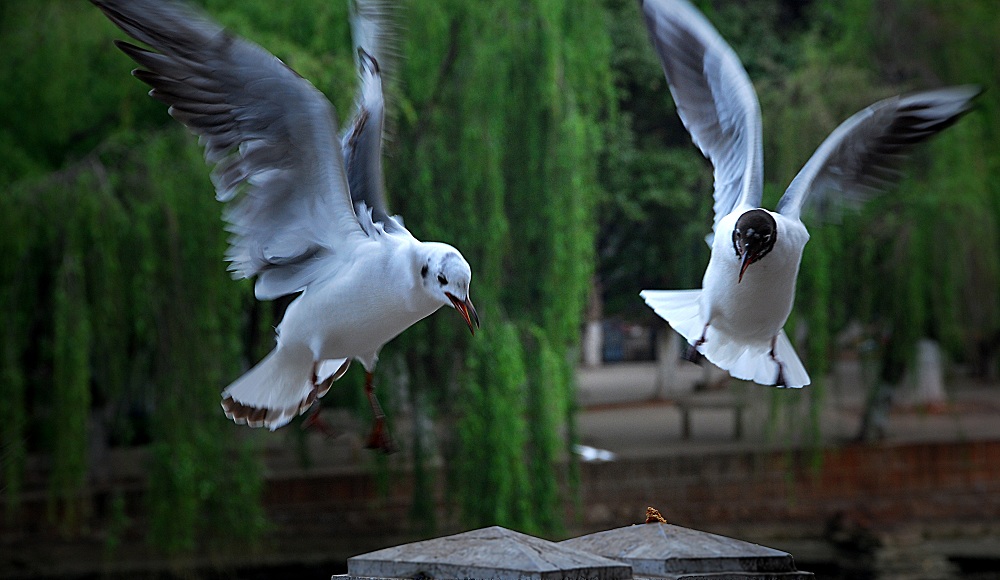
column 883, row 486
column 753, row 495
column 740, row 493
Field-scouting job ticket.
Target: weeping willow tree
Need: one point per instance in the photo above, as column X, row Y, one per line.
column 497, row 149
column 124, row 326
column 123, row 323
column 122, row 315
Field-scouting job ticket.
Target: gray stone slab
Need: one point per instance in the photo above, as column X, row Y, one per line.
column 667, row 551
column 732, row 576
column 493, row 552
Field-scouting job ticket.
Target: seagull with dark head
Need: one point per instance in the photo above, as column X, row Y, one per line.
column 305, row 207
column 748, row 290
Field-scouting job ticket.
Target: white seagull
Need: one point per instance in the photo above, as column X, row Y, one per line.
column 305, row 207
column 747, row 293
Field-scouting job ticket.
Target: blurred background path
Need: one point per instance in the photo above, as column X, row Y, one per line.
column 624, row 409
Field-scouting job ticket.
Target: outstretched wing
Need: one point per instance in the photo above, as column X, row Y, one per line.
column 271, row 135
column 864, row 154
column 371, row 28
column 714, row 98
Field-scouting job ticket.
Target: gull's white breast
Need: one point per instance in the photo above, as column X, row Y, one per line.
column 372, row 300
column 757, row 308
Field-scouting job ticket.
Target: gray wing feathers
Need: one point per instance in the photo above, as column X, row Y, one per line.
column 371, row 28
column 362, row 144
column 864, row 154
column 271, row 135
column 714, row 98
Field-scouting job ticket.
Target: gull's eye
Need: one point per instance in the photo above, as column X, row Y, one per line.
column 738, row 234
column 442, row 279
column 423, row 271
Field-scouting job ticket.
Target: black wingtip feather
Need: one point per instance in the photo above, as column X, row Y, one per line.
column 129, row 48
column 368, row 61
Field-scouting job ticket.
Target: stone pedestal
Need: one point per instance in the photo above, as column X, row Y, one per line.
column 640, row 551
column 664, row 551
column 494, row 552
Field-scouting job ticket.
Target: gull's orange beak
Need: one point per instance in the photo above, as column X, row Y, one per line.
column 467, row 310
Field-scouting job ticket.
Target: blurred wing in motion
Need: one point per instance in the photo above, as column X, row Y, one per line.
column 863, row 155
column 271, row 135
column 714, row 98
column 371, row 27
column 362, row 145
column 374, row 28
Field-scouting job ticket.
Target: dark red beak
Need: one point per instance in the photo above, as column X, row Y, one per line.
column 748, row 258
column 467, row 310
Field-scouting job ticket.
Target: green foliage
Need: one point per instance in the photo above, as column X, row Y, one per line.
column 495, row 152
column 527, row 135
column 54, row 106
column 71, row 371
column 546, row 413
column 198, row 471
column 652, row 176
column 131, row 310
column 492, row 433
column 893, row 256
column 141, row 318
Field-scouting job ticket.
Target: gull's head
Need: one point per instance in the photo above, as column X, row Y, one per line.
column 446, row 276
column 753, row 237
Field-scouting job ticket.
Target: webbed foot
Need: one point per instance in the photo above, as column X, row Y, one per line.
column 379, row 439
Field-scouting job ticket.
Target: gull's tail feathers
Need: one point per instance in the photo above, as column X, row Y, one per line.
column 680, row 308
column 331, row 370
column 751, row 362
column 284, row 384
column 795, row 373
